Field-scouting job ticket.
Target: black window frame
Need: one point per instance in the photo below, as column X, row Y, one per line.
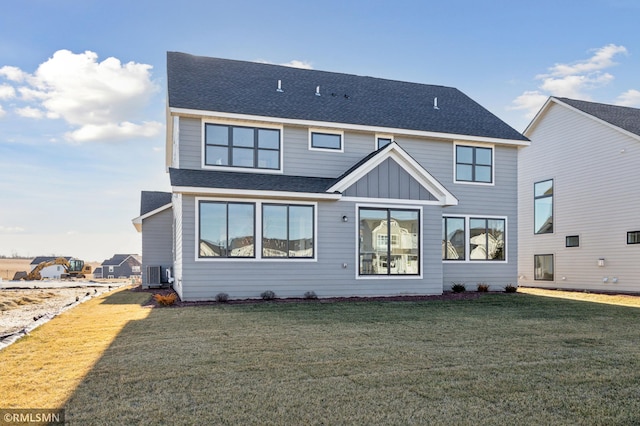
column 486, row 232
column 338, row 135
column 553, row 267
column 390, row 242
column 228, row 251
column 549, row 230
column 464, row 236
column 474, row 164
column 569, row 238
column 313, row 230
column 383, row 138
column 633, row 235
column 255, row 148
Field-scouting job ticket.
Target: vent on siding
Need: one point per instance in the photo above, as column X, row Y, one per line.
column 154, row 274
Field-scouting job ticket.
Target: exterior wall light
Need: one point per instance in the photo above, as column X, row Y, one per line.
column 345, row 218
column 601, row 262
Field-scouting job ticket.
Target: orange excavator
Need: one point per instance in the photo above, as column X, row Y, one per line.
column 74, row 268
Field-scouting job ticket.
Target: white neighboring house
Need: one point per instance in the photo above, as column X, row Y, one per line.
column 52, row 272
column 578, row 204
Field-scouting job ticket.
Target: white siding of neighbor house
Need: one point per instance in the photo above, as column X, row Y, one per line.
column 436, row 156
column 156, row 242
column 596, row 179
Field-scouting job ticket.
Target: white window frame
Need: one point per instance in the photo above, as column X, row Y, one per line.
column 257, row 202
column 358, row 206
column 467, row 232
column 478, row 145
column 340, row 133
column 259, row 125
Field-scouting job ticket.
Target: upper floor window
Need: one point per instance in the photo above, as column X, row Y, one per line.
column 572, row 241
column 238, row 146
column 633, row 237
column 323, row 140
column 474, row 164
column 543, row 207
column 382, row 141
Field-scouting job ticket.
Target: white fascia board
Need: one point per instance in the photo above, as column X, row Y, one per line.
column 410, row 165
column 346, row 126
column 137, row 222
column 249, row 193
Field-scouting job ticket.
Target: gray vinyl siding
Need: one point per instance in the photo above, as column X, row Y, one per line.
column 156, row 242
column 326, row 276
column 389, row 180
column 436, row 156
column 595, row 173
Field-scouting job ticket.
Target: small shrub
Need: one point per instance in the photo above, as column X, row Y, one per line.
column 483, row 287
column 268, row 295
column 222, row 297
column 458, row 288
column 310, row 295
column 166, row 299
column 510, row 288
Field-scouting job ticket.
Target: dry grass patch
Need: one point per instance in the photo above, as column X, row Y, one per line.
column 11, row 299
column 610, row 299
column 43, row 369
column 496, row 359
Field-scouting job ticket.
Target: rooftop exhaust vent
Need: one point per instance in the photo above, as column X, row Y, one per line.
column 279, row 89
column 435, row 103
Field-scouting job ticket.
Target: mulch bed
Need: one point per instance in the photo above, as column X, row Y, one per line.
column 447, row 295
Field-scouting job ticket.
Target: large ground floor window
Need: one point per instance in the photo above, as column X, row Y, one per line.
column 469, row 238
column 227, row 229
column 389, row 241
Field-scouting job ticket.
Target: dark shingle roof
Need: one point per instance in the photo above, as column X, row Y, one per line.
column 151, row 200
column 223, row 85
column 117, row 259
column 38, row 260
column 626, row 118
column 249, row 181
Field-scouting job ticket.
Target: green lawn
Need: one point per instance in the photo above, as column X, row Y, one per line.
column 500, row 359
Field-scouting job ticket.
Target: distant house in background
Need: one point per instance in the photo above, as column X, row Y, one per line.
column 54, row 271
column 122, row 266
column 97, row 273
column 578, row 219
column 156, row 219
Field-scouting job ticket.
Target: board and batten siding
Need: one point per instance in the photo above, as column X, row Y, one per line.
column 595, row 175
column 156, row 242
column 326, row 275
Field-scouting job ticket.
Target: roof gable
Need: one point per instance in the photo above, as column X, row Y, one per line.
column 119, row 259
column 437, row 192
column 249, row 88
column 624, row 119
column 151, row 203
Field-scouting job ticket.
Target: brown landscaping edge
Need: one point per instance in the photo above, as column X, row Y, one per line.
column 447, row 295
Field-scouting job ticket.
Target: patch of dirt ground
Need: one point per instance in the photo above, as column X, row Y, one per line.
column 19, row 308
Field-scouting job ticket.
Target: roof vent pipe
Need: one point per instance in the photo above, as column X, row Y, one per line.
column 318, row 91
column 435, row 103
column 279, row 89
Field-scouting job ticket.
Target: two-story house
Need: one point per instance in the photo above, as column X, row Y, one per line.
column 579, row 209
column 295, row 180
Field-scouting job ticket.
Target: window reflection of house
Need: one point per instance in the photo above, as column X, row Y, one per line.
column 402, row 248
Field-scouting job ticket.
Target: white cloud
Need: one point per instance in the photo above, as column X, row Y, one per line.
column 13, row 73
column 2, row 112
column 114, row 131
column 30, row 112
column 575, row 80
column 294, row 63
column 98, row 99
column 7, row 92
column 10, row 229
column 629, row 98
column 298, row 64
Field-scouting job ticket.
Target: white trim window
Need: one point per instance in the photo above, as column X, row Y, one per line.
column 474, row 239
column 326, row 140
column 241, row 147
column 389, row 242
column 473, row 163
column 235, row 229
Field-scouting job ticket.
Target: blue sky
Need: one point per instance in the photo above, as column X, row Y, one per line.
column 82, row 85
